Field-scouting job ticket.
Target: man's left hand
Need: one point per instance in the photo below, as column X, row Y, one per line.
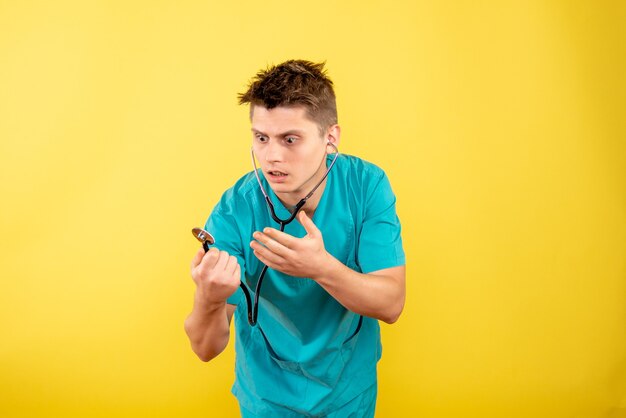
column 299, row 257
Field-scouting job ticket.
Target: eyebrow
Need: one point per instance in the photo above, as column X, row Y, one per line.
column 289, row 132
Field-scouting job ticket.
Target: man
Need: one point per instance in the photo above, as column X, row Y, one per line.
column 333, row 273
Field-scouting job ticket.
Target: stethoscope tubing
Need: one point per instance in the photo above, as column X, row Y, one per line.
column 253, row 309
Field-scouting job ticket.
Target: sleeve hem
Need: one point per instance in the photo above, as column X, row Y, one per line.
column 370, row 267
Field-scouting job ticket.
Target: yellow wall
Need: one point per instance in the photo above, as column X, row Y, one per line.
column 500, row 125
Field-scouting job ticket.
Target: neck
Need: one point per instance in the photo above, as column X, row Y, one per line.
column 311, row 204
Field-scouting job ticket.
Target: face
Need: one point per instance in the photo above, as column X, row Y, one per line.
column 290, row 150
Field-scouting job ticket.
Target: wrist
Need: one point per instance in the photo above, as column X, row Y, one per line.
column 326, row 268
column 206, row 305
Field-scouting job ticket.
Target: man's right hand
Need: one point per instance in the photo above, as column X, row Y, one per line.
column 216, row 274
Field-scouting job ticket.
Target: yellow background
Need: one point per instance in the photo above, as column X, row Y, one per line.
column 500, row 124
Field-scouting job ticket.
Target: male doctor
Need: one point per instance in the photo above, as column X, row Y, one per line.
column 333, row 273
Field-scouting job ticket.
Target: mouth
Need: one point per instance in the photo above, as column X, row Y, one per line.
column 276, row 176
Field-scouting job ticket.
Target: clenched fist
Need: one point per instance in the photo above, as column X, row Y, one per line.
column 216, row 274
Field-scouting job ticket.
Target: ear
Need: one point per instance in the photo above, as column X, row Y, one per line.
column 333, row 135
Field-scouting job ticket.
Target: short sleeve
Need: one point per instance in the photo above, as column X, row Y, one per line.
column 223, row 227
column 380, row 241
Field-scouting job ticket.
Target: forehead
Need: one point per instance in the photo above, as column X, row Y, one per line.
column 281, row 119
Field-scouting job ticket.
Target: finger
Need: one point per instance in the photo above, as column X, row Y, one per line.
column 281, row 237
column 308, row 224
column 231, row 265
column 210, row 258
column 264, row 260
column 222, row 260
column 265, row 255
column 272, row 245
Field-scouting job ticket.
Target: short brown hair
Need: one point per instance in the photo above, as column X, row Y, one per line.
column 293, row 83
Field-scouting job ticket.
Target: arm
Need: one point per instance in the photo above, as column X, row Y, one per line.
column 378, row 294
column 217, row 276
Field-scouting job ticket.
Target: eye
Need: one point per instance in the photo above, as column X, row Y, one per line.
column 260, row 138
column 291, row 139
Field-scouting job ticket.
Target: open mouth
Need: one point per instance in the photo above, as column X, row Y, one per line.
column 277, row 173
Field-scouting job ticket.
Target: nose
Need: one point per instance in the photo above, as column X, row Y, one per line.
column 273, row 151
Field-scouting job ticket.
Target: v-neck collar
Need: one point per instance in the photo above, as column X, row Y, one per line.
column 283, row 213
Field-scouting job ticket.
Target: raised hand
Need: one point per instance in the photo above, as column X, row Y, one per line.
column 299, row 257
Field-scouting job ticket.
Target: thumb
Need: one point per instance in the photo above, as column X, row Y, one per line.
column 197, row 258
column 308, row 224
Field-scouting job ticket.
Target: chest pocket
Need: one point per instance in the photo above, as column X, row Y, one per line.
column 340, row 238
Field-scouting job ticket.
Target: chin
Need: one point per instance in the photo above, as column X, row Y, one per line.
column 281, row 188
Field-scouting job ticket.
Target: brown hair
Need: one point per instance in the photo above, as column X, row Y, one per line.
column 293, row 83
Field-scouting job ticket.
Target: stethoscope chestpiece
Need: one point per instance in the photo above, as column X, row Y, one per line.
column 204, row 237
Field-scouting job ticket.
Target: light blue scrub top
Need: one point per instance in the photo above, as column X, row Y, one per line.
column 303, row 356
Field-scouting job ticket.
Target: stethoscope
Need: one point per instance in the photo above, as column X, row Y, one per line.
column 207, row 239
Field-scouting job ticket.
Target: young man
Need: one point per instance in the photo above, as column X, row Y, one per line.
column 334, row 272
